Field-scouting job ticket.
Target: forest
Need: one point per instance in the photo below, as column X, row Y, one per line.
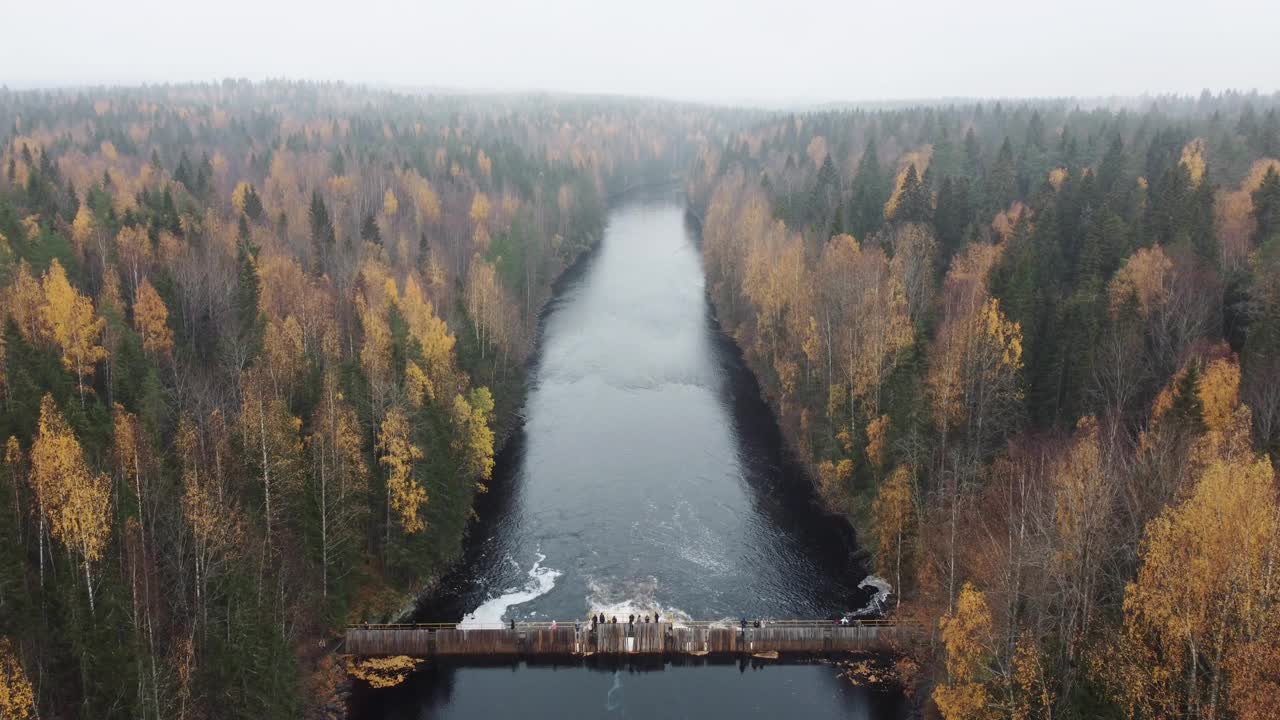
column 1032, row 350
column 262, row 341
column 260, row 344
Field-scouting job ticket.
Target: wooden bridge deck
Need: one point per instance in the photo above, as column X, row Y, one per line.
column 811, row 637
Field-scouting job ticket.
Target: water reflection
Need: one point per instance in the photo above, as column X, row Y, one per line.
column 693, row 689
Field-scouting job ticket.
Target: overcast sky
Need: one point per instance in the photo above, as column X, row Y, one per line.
column 718, row 50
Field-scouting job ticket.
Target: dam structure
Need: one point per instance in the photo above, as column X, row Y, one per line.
column 695, row 638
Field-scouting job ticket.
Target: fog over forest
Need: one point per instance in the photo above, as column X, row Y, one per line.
column 756, row 51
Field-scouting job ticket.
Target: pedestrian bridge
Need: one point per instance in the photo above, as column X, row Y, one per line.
column 801, row 637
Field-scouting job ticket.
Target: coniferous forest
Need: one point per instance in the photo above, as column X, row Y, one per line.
column 261, row 342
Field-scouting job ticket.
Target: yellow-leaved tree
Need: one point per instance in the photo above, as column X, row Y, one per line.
column 239, row 196
column 892, row 511
column 74, row 501
column 1193, row 159
column 474, row 438
column 24, row 300
column 1205, row 599
column 17, row 699
column 404, row 495
column 69, row 319
column 133, row 247
column 151, row 320
column 82, row 227
column 966, row 634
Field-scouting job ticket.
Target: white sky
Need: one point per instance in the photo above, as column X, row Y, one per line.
column 720, row 50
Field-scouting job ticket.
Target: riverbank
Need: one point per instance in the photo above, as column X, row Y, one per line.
column 857, row 516
column 646, row 472
column 509, row 382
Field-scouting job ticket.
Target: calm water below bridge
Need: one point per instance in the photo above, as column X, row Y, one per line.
column 649, row 476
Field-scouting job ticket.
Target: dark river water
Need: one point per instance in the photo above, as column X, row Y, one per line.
column 648, row 475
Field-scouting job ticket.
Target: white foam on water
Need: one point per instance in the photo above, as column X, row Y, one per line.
column 492, row 611
column 637, row 600
column 883, row 591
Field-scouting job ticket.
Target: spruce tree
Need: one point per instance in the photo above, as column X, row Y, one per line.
column 1266, row 208
column 369, row 230
column 252, row 204
column 972, row 155
column 1002, row 180
column 870, row 191
column 322, row 233
column 249, row 321
column 953, row 213
column 1187, row 411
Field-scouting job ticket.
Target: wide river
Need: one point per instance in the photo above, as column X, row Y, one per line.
column 648, row 475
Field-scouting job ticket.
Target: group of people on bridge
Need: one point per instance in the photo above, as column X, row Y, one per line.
column 631, row 619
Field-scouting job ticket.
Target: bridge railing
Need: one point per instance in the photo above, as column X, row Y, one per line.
column 546, row 624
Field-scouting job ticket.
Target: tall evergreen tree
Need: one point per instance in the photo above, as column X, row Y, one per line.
column 323, row 237
column 1266, row 207
column 1002, row 180
column 870, row 192
column 913, row 200
column 369, row 231
column 953, row 213
column 252, row 204
column 249, row 320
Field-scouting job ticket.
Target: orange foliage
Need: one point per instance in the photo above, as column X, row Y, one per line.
column 151, row 319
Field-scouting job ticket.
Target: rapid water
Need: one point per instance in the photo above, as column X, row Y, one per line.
column 648, row 476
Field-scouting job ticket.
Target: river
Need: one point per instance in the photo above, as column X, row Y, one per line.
column 648, row 476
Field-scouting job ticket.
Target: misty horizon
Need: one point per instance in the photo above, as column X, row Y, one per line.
column 756, row 53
